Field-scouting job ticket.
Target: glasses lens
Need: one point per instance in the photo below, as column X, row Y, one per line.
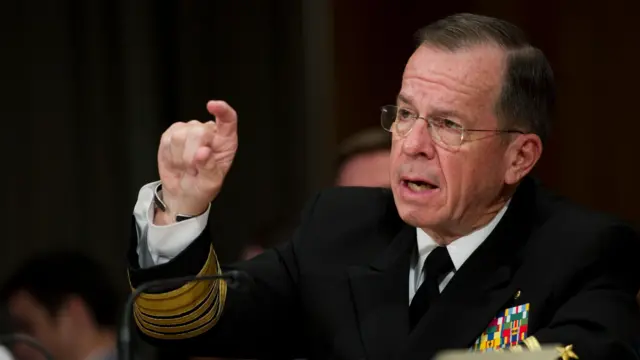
column 388, row 116
column 445, row 134
column 397, row 120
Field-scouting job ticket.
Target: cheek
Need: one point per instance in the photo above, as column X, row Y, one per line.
column 473, row 173
column 395, row 160
column 454, row 170
column 464, row 173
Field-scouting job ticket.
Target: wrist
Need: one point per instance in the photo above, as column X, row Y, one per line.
column 162, row 218
column 167, row 210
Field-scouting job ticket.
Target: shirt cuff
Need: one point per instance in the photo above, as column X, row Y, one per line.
column 158, row 244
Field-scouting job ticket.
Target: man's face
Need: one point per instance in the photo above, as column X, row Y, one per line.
column 366, row 169
column 462, row 86
column 31, row 318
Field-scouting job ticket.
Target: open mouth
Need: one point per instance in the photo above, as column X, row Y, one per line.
column 419, row 185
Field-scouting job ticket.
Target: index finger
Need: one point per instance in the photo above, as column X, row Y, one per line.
column 226, row 117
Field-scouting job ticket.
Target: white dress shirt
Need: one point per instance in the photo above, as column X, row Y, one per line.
column 459, row 251
column 159, row 244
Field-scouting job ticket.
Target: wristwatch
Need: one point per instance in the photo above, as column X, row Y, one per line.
column 159, row 204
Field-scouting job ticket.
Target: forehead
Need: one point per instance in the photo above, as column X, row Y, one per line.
column 462, row 76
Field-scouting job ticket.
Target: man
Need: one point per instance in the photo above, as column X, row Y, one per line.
column 65, row 301
column 364, row 159
column 465, row 250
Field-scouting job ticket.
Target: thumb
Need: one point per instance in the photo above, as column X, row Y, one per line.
column 226, row 117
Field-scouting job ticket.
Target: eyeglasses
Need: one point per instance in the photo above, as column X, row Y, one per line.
column 443, row 131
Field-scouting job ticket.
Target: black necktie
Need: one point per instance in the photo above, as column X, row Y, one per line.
column 437, row 265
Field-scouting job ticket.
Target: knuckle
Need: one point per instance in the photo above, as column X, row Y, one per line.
column 175, row 126
column 168, row 134
column 165, row 140
column 211, row 126
column 179, row 136
column 198, row 131
column 199, row 134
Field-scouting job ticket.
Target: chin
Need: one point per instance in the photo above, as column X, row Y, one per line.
column 418, row 212
column 419, row 216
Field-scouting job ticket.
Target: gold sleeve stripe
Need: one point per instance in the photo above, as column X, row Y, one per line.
column 212, row 261
column 179, row 306
column 184, row 312
column 191, row 331
column 180, row 336
column 179, row 326
column 182, row 305
column 184, row 318
column 209, row 267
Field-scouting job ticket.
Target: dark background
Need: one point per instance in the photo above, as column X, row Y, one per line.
column 89, row 86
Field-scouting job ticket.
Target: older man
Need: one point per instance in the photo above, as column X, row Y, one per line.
column 465, row 250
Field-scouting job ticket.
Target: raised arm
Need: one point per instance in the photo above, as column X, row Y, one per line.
column 171, row 238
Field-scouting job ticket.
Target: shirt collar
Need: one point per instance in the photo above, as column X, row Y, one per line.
column 461, row 248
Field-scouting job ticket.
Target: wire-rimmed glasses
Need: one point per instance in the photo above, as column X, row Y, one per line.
column 443, row 131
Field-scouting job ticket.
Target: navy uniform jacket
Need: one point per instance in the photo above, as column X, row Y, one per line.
column 550, row 271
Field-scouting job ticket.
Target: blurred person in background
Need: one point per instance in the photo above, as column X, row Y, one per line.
column 364, row 159
column 64, row 300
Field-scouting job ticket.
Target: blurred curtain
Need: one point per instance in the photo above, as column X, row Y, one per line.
column 89, row 86
column 68, row 122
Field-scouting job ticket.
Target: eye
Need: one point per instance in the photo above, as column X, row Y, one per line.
column 447, row 124
column 452, row 124
column 404, row 114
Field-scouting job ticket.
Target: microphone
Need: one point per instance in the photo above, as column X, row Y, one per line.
column 17, row 338
column 235, row 280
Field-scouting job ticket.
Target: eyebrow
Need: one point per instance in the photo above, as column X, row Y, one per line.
column 442, row 113
column 405, row 99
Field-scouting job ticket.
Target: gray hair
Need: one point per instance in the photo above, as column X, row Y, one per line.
column 528, row 92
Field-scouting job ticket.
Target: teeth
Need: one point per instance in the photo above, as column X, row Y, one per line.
column 418, row 187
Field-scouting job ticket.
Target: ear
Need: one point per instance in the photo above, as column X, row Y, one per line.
column 521, row 156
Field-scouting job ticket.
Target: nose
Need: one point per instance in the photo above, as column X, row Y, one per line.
column 418, row 141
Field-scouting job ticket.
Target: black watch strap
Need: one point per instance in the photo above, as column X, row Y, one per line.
column 159, row 204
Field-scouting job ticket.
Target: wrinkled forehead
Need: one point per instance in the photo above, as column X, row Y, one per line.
column 470, row 71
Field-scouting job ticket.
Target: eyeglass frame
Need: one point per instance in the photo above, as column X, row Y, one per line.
column 431, row 123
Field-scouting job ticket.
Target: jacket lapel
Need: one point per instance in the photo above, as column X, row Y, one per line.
column 381, row 296
column 480, row 288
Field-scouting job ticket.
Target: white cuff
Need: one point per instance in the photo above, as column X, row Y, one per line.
column 157, row 244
